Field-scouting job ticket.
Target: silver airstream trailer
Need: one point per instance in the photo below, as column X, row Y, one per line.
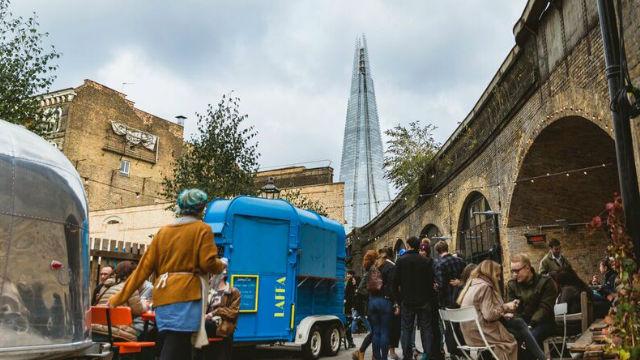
column 44, row 278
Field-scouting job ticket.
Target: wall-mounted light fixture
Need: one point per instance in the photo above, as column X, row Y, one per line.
column 538, row 238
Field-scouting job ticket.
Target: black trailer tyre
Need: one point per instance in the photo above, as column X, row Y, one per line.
column 331, row 339
column 313, row 347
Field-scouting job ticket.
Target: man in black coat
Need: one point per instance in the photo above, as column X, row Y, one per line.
column 413, row 287
column 349, row 303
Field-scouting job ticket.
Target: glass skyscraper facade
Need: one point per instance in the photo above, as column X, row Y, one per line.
column 366, row 191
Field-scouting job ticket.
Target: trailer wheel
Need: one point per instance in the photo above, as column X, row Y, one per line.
column 313, row 347
column 331, row 340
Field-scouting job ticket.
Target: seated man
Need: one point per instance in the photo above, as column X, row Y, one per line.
column 105, row 273
column 534, row 320
column 110, row 287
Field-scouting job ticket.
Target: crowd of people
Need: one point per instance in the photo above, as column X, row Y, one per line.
column 514, row 321
column 397, row 295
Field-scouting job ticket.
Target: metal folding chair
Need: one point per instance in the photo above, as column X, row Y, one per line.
column 462, row 315
column 560, row 312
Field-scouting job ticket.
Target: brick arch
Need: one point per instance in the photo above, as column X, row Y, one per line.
column 459, row 198
column 565, row 145
column 477, row 234
column 590, row 110
column 430, row 230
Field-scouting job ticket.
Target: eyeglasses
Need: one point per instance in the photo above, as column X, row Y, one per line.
column 515, row 271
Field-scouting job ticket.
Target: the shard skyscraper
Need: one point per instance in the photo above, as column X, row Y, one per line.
column 366, row 191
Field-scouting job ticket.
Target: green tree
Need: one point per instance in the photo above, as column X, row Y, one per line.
column 409, row 150
column 26, row 68
column 221, row 158
column 299, row 200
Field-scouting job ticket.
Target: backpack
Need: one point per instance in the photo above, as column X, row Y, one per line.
column 374, row 281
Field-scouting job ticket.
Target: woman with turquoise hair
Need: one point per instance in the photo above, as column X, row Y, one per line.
column 181, row 256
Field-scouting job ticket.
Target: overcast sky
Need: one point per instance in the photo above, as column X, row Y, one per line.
column 289, row 61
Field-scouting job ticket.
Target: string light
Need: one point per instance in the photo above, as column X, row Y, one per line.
column 405, row 198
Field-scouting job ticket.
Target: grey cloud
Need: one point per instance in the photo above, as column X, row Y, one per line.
column 289, row 61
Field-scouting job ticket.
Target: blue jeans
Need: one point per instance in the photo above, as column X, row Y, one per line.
column 357, row 318
column 408, row 316
column 380, row 313
column 532, row 338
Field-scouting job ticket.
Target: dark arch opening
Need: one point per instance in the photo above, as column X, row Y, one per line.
column 431, row 231
column 580, row 159
column 399, row 245
column 434, row 234
column 584, row 160
column 478, row 235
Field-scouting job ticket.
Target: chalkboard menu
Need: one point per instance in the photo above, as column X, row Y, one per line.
column 248, row 287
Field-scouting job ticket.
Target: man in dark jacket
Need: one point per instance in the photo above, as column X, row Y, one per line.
column 447, row 268
column 413, row 286
column 105, row 273
column 536, row 295
column 349, row 292
column 349, row 303
column 554, row 261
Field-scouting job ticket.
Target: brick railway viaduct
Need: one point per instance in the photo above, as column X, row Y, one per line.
column 536, row 148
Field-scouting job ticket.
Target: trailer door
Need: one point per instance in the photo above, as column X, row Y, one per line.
column 258, row 268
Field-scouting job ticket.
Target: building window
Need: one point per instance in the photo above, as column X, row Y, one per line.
column 125, row 166
column 479, row 231
column 112, row 220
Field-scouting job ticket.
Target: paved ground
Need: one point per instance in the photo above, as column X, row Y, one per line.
column 281, row 352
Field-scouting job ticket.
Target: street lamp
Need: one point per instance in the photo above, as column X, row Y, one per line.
column 270, row 190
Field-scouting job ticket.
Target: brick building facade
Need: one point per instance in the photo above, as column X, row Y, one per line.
column 535, row 156
column 315, row 183
column 121, row 152
column 136, row 224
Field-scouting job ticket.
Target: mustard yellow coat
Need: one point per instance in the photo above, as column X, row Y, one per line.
column 178, row 248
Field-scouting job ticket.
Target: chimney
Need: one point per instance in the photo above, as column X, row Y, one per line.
column 180, row 120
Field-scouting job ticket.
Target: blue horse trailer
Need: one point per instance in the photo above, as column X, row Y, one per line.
column 289, row 265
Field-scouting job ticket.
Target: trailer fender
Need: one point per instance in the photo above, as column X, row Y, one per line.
column 304, row 327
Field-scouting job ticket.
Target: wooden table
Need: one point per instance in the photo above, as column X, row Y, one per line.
column 586, row 346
